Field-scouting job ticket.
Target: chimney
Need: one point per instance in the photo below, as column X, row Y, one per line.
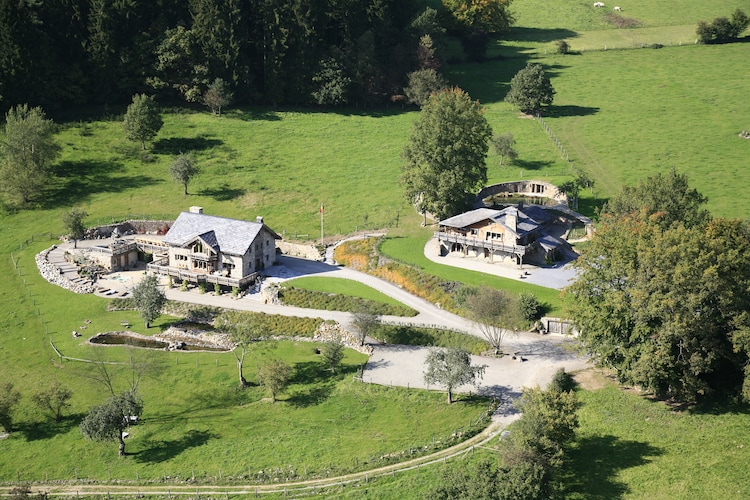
column 259, row 219
column 511, row 218
column 196, row 210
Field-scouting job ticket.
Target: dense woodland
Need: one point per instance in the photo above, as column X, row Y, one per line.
column 70, row 52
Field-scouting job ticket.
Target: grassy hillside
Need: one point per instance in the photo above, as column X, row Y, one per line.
column 620, row 114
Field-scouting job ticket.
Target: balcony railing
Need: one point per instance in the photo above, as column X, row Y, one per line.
column 493, row 245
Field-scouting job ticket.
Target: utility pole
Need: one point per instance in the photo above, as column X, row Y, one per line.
column 321, row 223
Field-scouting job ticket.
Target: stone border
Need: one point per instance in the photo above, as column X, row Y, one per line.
column 53, row 274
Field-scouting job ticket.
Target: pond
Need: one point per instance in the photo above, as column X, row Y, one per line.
column 135, row 340
column 499, row 200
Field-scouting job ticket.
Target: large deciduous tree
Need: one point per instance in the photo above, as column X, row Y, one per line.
column 451, row 368
column 446, row 154
column 26, row 150
column 530, row 88
column 142, row 119
column 107, row 422
column 662, row 296
column 490, row 16
column 149, row 299
column 183, row 169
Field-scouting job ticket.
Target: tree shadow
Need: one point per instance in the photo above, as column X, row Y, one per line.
column 518, row 34
column 78, row 180
column 255, row 114
column 178, row 145
column 594, row 462
column 47, row 429
column 314, row 372
column 311, row 397
column 157, row 450
column 223, row 192
column 531, row 164
column 560, row 111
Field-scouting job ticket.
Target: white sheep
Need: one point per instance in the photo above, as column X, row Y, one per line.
column 617, row 8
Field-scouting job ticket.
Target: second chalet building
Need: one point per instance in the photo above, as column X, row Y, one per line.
column 204, row 248
column 515, row 231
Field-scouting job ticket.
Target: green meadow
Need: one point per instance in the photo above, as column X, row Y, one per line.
column 620, row 114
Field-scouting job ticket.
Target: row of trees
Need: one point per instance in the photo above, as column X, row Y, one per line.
column 662, row 294
column 97, row 51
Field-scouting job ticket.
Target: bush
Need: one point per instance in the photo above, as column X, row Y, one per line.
column 563, row 47
column 723, row 30
column 529, row 307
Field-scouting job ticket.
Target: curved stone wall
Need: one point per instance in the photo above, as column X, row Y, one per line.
column 529, row 188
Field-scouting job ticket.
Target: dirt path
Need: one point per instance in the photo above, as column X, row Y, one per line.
column 482, row 439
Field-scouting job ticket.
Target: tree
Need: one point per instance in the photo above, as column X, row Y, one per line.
column 529, row 306
column 107, row 422
column 530, row 89
column 73, row 221
column 446, row 152
column 54, row 399
column 331, row 84
column 489, row 308
column 451, row 368
column 490, row 16
column 183, row 169
column 665, row 304
column 505, row 147
column 9, row 398
column 723, row 30
column 149, row 299
column 217, row 96
column 274, row 375
column 142, row 119
column 26, row 150
column 332, row 353
column 365, row 322
column 668, row 195
column 422, row 84
column 180, row 64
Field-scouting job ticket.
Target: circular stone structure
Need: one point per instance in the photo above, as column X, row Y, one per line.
column 528, row 189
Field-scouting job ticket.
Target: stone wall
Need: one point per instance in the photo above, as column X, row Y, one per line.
column 52, row 273
column 530, row 188
column 308, row 251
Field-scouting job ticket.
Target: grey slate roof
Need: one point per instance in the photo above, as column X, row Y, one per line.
column 528, row 218
column 230, row 236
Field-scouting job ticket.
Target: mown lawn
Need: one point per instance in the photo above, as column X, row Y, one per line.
column 196, row 419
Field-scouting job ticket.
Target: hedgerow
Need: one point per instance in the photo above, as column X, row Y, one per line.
column 312, row 299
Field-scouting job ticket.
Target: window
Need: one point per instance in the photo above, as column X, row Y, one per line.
column 474, row 232
column 494, row 236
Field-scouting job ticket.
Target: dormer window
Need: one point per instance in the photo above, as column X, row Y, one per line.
column 198, row 247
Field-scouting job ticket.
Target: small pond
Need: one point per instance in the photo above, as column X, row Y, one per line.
column 121, row 338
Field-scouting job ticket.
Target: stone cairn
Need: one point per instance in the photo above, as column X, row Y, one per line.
column 52, row 273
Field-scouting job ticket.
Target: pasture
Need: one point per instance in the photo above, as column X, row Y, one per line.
column 620, row 115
